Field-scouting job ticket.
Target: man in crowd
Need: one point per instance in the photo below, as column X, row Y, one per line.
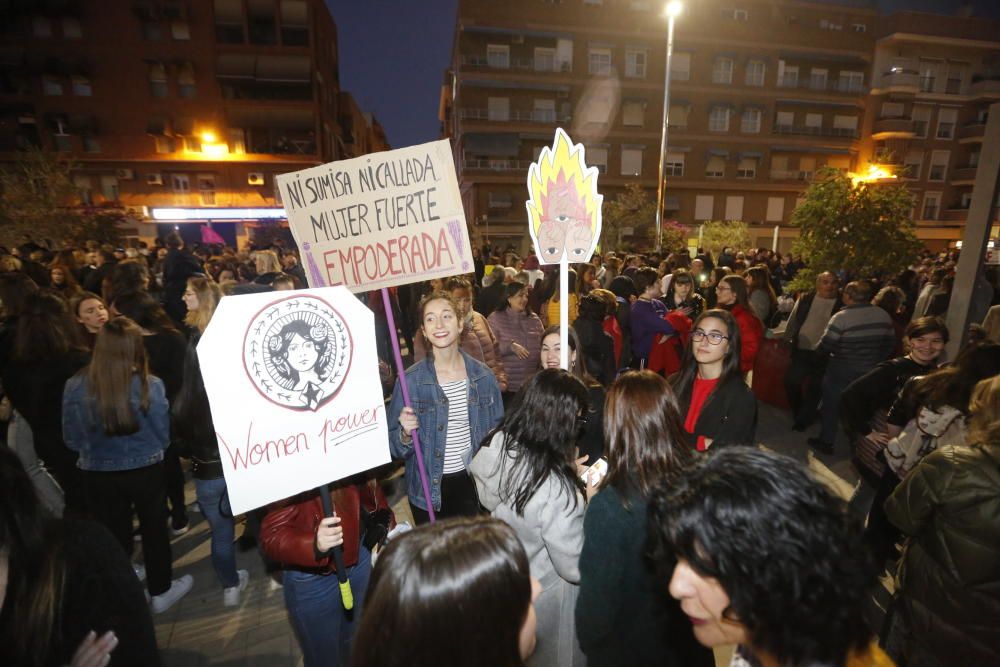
column 290, row 263
column 491, row 295
column 808, row 320
column 856, row 339
column 178, row 266
column 105, row 265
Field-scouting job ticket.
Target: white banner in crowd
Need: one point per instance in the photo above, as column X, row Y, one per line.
column 379, row 220
column 294, row 388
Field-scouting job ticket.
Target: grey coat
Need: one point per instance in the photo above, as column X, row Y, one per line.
column 551, row 531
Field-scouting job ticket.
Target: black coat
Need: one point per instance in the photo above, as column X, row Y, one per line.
column 598, row 350
column 729, row 416
column 178, row 266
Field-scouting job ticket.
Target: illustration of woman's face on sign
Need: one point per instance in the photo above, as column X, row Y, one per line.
column 298, row 350
column 302, row 354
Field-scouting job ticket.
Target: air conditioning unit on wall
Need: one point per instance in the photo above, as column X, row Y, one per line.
column 255, row 178
column 124, row 174
column 154, row 179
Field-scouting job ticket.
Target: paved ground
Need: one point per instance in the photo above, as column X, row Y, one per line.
column 200, row 631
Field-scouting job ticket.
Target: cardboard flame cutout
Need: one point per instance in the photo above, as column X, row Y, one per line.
column 564, row 209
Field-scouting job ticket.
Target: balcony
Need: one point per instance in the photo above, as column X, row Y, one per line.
column 955, row 213
column 899, row 81
column 848, row 86
column 806, row 130
column 791, row 175
column 496, row 164
column 964, row 175
column 893, row 128
column 542, row 65
column 985, row 86
column 542, row 116
column 971, row 133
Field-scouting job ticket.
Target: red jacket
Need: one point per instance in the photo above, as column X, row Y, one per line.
column 667, row 352
column 751, row 334
column 288, row 532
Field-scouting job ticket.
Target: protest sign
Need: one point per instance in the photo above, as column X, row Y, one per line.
column 564, row 216
column 294, row 389
column 379, row 220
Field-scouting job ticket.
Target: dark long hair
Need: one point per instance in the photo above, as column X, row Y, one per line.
column 15, row 287
column 450, row 594
column 510, row 290
column 953, row 385
column 119, row 355
column 643, row 434
column 684, row 380
column 45, row 329
column 738, row 285
column 579, row 369
column 145, row 311
column 29, row 622
column 539, row 433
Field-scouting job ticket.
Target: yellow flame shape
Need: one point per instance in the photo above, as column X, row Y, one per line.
column 568, row 159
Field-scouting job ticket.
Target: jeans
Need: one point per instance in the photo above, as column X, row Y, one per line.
column 210, row 493
column 20, row 439
column 835, row 381
column 324, row 628
column 113, row 494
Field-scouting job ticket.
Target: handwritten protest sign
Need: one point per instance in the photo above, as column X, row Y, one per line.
column 379, row 220
column 294, row 389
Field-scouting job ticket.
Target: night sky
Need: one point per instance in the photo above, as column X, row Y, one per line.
column 393, row 54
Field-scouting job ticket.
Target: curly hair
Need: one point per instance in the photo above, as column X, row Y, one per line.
column 783, row 547
column 277, row 347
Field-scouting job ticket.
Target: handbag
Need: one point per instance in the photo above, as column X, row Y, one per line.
column 923, row 434
column 770, row 366
column 374, row 524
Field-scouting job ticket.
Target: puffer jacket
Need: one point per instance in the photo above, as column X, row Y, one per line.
column 522, row 328
column 478, row 341
column 949, row 580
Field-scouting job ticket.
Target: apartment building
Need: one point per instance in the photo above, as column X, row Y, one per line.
column 762, row 95
column 182, row 111
column 935, row 77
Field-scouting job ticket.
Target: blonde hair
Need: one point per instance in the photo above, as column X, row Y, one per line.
column 209, row 295
column 984, row 410
column 266, row 262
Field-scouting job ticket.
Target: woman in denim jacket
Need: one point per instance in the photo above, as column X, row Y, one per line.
column 116, row 416
column 455, row 403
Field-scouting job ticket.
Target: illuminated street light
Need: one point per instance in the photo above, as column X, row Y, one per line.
column 671, row 11
column 875, row 172
column 208, row 137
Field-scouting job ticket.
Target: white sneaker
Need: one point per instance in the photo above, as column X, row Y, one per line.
column 140, row 571
column 231, row 595
column 178, row 589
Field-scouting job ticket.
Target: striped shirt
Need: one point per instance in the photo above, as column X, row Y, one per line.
column 859, row 336
column 458, row 439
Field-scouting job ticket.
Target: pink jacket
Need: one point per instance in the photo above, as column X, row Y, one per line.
column 478, row 341
column 511, row 327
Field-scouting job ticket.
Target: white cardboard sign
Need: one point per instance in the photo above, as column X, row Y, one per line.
column 293, row 383
column 379, row 220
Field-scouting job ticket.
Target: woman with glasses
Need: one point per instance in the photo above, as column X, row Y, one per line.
column 717, row 405
column 732, row 294
column 525, row 475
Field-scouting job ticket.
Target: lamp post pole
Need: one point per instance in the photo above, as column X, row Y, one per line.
column 672, row 10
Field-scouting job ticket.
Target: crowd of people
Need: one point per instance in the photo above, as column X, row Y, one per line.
column 618, row 512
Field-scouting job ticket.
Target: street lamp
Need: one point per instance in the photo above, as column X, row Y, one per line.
column 672, row 10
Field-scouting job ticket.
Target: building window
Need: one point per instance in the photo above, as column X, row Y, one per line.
column 206, row 189
column 814, row 121
column 81, row 86
column 846, row 126
column 83, row 187
column 747, row 168
column 109, row 188
column 859, row 27
column 599, row 61
column 544, row 111
column 939, row 165
column 736, row 14
column 52, row 85
column 596, row 157
column 180, row 183
column 499, row 200
column 180, row 30
column 775, row 209
column 779, row 166
column 851, row 82
column 946, row 123
column 631, row 161
column 499, row 108
column 678, row 116
column 788, row 76
column 715, row 167
column 680, row 66
column 807, row 167
column 974, row 159
column 892, row 110
column 151, row 30
column 921, row 121
column 674, row 164
column 41, row 26
column 63, row 142
column 185, row 81
column 71, row 28
column 817, row 78
column 157, row 80
column 164, row 144
column 635, row 63
column 755, row 73
column 750, row 122
column 734, row 208
column 825, row 24
column 545, row 60
column 932, row 205
column 91, row 144
column 704, row 206
column 718, row 119
column 930, row 71
column 498, row 55
column 722, row 70
column 965, row 201
column 784, row 120
column 191, row 144
column 633, row 112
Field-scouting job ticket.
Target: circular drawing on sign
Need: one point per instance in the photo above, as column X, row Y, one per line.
column 297, row 352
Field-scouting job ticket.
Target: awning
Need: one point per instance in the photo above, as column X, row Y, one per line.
column 717, row 152
column 843, row 58
column 283, row 68
column 727, row 105
column 157, row 127
column 235, row 66
column 751, row 154
column 815, row 103
column 184, row 126
column 638, row 147
column 493, row 145
column 678, row 149
column 825, row 150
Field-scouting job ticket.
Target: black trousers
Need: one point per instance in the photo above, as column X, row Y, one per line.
column 458, row 498
column 804, row 384
column 114, row 495
column 880, row 534
column 175, row 486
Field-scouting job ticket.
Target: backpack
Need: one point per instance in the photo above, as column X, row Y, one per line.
column 923, row 434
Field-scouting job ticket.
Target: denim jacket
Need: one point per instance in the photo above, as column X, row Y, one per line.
column 431, row 406
column 102, row 452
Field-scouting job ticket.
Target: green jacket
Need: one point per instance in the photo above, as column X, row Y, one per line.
column 949, row 580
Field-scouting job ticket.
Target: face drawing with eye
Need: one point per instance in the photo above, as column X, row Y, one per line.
column 564, row 226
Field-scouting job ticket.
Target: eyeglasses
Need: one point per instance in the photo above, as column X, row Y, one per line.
column 723, row 288
column 714, row 337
